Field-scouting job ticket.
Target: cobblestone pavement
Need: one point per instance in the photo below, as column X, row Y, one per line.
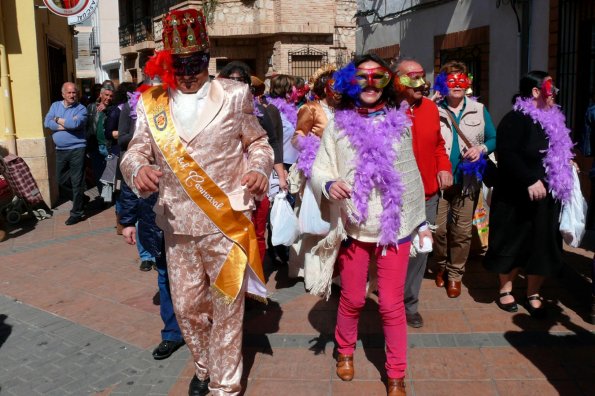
column 77, row 318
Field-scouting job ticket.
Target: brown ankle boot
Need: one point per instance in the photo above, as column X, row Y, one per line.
column 345, row 369
column 440, row 278
column 396, row 387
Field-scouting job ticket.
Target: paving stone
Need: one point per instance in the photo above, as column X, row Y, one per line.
column 54, row 351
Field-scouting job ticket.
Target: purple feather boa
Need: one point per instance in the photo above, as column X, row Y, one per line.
column 308, row 147
column 375, row 165
column 289, row 110
column 558, row 156
column 132, row 102
column 256, row 110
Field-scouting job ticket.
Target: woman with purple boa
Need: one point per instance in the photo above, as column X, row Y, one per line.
column 312, row 118
column 534, row 178
column 366, row 171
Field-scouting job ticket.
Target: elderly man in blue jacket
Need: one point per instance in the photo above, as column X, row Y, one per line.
column 67, row 120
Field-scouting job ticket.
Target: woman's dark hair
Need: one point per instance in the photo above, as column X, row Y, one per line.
column 281, row 85
column 533, row 79
column 236, row 67
column 320, row 84
column 120, row 94
column 388, row 92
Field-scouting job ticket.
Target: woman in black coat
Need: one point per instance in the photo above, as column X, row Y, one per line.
column 525, row 209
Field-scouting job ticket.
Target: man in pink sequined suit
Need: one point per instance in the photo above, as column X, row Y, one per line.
column 215, row 128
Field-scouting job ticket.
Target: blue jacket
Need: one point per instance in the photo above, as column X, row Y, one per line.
column 134, row 209
column 75, row 121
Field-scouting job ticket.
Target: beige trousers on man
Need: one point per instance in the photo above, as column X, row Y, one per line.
column 212, row 328
column 452, row 240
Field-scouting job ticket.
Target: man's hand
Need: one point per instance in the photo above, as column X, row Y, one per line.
column 101, row 107
column 537, row 191
column 147, row 179
column 256, row 182
column 339, row 190
column 129, row 234
column 473, row 154
column 427, row 233
column 444, row 179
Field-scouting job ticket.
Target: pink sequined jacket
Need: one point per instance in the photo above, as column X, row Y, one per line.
column 227, row 143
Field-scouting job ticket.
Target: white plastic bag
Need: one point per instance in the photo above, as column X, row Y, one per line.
column 573, row 214
column 310, row 219
column 284, row 222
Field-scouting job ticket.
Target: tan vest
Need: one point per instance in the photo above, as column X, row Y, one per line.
column 472, row 124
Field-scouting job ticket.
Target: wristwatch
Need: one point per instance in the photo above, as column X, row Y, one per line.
column 56, row 119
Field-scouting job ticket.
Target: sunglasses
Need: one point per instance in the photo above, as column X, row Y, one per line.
column 191, row 65
column 378, row 77
column 240, row 79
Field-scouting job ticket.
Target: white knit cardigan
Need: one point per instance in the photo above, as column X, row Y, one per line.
column 336, row 161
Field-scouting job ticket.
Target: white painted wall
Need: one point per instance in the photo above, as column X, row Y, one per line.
column 415, row 33
column 109, row 21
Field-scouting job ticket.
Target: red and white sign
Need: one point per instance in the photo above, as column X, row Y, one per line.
column 77, row 11
column 66, row 8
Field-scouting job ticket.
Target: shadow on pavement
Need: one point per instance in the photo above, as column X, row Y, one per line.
column 5, row 329
column 369, row 330
column 557, row 357
column 259, row 320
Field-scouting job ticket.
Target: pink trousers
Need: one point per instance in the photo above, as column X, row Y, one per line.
column 353, row 263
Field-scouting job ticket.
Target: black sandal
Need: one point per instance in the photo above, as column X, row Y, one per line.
column 508, row 307
column 537, row 313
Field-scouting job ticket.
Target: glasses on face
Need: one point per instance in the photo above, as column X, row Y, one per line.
column 236, row 78
column 457, row 80
column 190, row 65
column 414, row 79
column 378, row 77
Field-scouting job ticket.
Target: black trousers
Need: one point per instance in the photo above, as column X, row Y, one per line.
column 70, row 170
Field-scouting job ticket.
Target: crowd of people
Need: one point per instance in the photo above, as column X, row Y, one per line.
column 392, row 175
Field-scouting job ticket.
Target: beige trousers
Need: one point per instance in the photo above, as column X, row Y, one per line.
column 452, row 240
column 211, row 327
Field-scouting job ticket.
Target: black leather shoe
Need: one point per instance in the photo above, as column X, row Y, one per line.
column 415, row 320
column 508, row 307
column 166, row 348
column 539, row 312
column 146, row 265
column 73, row 220
column 198, row 387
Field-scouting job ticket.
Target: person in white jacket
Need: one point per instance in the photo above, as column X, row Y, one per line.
column 366, row 169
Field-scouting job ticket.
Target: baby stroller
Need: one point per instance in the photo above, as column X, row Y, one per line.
column 20, row 194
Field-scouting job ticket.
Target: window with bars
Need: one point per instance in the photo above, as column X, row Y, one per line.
column 304, row 62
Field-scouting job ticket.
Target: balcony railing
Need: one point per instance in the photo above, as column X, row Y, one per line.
column 137, row 32
column 143, row 30
column 125, row 34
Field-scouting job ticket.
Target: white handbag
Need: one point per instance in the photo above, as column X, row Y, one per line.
column 573, row 214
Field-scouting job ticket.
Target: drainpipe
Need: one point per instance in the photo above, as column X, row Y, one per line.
column 9, row 133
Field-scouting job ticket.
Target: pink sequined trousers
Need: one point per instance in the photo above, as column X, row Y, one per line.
column 353, row 263
column 211, row 327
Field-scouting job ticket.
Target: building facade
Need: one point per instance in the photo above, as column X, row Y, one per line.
column 36, row 47
column 498, row 40
column 97, row 47
column 272, row 36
